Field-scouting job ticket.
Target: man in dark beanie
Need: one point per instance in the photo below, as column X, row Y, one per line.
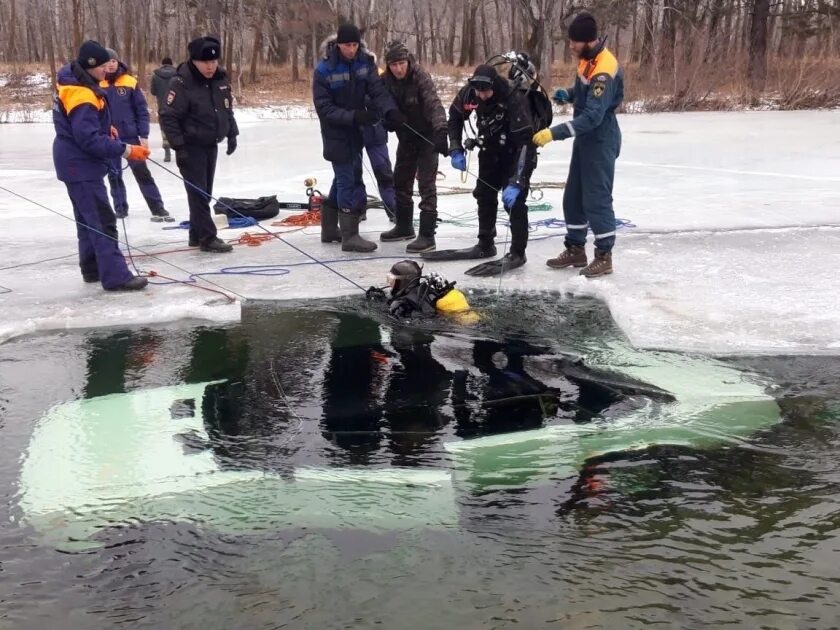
column 84, row 146
column 342, row 82
column 196, row 116
column 159, row 89
column 506, row 160
column 421, row 139
column 587, row 198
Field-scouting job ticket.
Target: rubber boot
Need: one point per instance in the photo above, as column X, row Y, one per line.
column 329, row 223
column 573, row 256
column 601, row 266
column 350, row 239
column 425, row 242
column 160, row 214
column 167, row 155
column 404, row 228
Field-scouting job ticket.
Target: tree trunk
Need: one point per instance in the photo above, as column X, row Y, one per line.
column 757, row 72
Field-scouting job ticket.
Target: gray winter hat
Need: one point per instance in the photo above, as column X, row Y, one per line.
column 395, row 51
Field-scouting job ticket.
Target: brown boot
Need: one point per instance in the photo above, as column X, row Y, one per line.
column 601, row 266
column 574, row 256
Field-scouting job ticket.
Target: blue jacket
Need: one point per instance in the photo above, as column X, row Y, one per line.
column 129, row 111
column 339, row 87
column 83, row 147
column 598, row 91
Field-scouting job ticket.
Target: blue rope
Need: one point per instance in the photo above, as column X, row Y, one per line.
column 267, row 231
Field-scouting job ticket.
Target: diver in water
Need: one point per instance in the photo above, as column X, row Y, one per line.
column 416, row 295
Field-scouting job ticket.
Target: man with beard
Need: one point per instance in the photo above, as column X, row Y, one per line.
column 587, row 199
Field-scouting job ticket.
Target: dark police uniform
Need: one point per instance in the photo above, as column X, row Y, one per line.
column 197, row 116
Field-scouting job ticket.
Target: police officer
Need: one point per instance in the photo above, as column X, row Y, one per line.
column 130, row 115
column 84, row 146
column 343, row 85
column 198, row 114
column 421, row 138
column 506, row 160
column 587, row 199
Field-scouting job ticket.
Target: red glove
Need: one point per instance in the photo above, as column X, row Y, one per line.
column 136, row 153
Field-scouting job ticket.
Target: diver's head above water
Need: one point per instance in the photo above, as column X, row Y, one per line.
column 403, row 275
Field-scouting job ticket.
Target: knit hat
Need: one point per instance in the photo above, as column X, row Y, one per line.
column 113, row 54
column 205, row 48
column 92, row 55
column 395, row 51
column 484, row 77
column 583, row 28
column 348, row 34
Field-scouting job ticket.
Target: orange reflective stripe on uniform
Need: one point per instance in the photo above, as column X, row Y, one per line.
column 604, row 63
column 71, row 96
column 126, row 80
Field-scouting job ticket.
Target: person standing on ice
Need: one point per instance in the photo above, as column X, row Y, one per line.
column 421, row 139
column 197, row 115
column 506, row 161
column 130, row 115
column 340, row 86
column 85, row 144
column 587, row 199
column 159, row 89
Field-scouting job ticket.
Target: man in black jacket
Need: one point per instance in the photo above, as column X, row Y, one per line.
column 159, row 89
column 197, row 115
column 506, row 160
column 422, row 137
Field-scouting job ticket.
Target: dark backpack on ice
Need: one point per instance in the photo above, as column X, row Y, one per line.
column 260, row 209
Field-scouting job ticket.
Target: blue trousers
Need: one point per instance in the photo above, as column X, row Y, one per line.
column 587, row 199
column 380, row 162
column 348, row 188
column 96, row 229
column 144, row 179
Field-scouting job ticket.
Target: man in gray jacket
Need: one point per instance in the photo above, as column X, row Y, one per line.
column 159, row 89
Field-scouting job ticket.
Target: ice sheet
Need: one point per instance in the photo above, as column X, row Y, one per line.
column 733, row 251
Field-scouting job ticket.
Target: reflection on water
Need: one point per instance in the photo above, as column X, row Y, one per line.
column 742, row 531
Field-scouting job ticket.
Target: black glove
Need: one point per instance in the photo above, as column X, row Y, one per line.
column 393, row 120
column 441, row 138
column 364, row 117
column 231, row 145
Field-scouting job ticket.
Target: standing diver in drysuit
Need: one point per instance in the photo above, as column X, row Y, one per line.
column 416, row 295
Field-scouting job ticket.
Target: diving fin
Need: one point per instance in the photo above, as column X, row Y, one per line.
column 497, row 267
column 470, row 253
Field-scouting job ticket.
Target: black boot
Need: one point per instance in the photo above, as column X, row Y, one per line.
column 167, row 155
column 403, row 230
column 216, row 246
column 350, row 239
column 426, row 241
column 135, row 284
column 91, row 277
column 329, row 222
column 160, row 214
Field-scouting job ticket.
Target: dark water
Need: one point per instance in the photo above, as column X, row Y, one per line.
column 742, row 534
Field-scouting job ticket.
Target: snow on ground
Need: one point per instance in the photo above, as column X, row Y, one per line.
column 734, row 249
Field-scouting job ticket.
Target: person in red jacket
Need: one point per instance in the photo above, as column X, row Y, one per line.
column 84, row 146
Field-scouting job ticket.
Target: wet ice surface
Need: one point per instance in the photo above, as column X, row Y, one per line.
column 734, row 248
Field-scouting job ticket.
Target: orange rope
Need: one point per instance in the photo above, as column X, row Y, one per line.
column 304, row 219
